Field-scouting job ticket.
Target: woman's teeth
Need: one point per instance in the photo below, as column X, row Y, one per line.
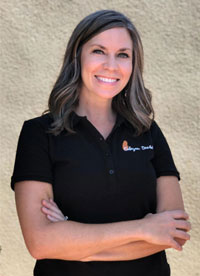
column 106, row 79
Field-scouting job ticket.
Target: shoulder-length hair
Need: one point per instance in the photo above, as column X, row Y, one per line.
column 133, row 102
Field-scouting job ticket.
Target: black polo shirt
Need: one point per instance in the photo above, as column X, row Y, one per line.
column 96, row 181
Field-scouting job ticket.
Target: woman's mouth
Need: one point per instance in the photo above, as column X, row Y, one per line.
column 107, row 80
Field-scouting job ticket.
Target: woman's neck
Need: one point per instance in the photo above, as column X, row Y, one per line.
column 97, row 112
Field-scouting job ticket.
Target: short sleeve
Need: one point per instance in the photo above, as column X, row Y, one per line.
column 32, row 160
column 162, row 161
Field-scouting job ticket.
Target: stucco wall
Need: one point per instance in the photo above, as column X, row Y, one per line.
column 33, row 40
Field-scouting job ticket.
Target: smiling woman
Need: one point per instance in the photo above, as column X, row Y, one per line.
column 106, row 64
column 98, row 158
column 108, row 38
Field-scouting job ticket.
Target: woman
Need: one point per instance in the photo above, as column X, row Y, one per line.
column 99, row 158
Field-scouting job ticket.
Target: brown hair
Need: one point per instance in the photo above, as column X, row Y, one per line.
column 133, row 102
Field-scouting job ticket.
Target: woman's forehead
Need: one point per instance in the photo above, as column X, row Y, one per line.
column 118, row 36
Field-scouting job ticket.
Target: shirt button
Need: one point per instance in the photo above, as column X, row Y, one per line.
column 111, row 171
column 101, row 139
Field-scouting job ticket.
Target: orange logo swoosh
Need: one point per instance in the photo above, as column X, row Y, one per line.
column 125, row 145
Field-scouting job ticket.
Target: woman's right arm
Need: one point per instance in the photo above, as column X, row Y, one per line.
column 70, row 240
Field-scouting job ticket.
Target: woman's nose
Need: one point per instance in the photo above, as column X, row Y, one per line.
column 111, row 63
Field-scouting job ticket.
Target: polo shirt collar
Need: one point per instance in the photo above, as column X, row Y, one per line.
column 75, row 119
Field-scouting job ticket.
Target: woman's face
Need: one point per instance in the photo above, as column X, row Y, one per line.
column 106, row 63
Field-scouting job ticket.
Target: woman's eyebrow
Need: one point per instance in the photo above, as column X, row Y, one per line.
column 104, row 48
column 98, row 45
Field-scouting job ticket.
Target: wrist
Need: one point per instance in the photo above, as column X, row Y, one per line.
column 139, row 233
column 142, row 231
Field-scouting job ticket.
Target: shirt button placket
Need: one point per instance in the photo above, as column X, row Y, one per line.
column 109, row 165
column 111, row 172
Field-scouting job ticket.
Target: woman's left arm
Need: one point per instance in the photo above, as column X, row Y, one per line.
column 169, row 197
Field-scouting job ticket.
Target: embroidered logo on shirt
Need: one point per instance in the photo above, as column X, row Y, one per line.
column 126, row 147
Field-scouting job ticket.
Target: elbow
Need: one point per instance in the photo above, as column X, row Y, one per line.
column 36, row 250
column 36, row 254
column 41, row 248
column 41, row 245
column 36, row 244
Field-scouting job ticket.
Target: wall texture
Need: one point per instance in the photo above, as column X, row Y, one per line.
column 33, row 40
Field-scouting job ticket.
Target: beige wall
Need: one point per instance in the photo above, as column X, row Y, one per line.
column 33, row 40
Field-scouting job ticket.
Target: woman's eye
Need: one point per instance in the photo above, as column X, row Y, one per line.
column 123, row 55
column 97, row 51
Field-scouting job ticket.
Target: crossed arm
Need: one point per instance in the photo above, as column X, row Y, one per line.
column 127, row 240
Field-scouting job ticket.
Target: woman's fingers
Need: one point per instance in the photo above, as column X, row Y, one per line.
column 174, row 244
column 181, row 235
column 52, row 206
column 53, row 202
column 180, row 238
column 53, row 219
column 163, row 228
column 57, row 216
column 51, row 210
column 180, row 241
column 179, row 214
column 183, row 224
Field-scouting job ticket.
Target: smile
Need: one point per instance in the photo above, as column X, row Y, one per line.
column 107, row 80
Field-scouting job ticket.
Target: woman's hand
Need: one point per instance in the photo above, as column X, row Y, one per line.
column 51, row 210
column 166, row 228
